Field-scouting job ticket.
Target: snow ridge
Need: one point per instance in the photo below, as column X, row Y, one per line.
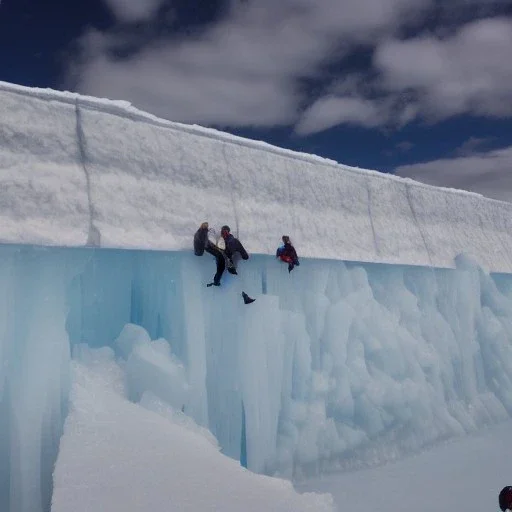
column 148, row 183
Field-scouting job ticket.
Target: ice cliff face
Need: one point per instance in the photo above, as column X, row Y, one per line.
column 336, row 365
column 340, row 363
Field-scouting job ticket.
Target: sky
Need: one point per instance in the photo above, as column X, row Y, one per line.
column 420, row 88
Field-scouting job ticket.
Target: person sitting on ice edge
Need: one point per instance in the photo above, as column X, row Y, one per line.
column 505, row 498
column 202, row 244
column 287, row 253
column 233, row 246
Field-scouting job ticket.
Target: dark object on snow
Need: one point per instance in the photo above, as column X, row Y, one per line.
column 247, row 299
column 288, row 254
column 505, row 498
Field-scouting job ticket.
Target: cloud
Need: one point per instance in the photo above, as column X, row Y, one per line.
column 133, row 10
column 248, row 68
column 467, row 73
column 404, row 146
column 428, row 77
column 489, row 173
column 331, row 111
column 472, row 145
column 244, row 70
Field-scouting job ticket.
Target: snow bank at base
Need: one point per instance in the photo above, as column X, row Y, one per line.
column 117, row 455
column 466, row 473
column 76, row 170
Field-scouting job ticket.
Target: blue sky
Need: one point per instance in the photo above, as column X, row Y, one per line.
column 422, row 88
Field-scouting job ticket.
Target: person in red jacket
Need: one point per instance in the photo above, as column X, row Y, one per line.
column 505, row 498
column 287, row 253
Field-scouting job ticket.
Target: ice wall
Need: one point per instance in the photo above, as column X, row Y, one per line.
column 336, row 364
column 77, row 170
column 34, row 367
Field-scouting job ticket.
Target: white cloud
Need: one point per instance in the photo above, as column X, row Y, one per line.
column 426, row 77
column 133, row 10
column 472, row 145
column 331, row 111
column 245, row 69
column 489, row 174
column 470, row 72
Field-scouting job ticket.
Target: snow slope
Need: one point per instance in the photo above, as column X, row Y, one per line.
column 116, row 455
column 464, row 474
column 76, row 170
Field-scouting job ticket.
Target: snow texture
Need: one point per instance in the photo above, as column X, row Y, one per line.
column 78, row 171
column 467, row 473
column 109, row 442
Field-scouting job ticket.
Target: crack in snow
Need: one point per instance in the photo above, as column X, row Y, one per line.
column 94, row 235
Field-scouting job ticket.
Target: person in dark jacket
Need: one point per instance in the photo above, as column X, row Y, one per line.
column 202, row 244
column 287, row 253
column 232, row 247
column 505, row 498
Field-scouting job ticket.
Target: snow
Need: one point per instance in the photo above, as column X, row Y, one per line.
column 81, row 171
column 464, row 474
column 173, row 467
column 346, row 363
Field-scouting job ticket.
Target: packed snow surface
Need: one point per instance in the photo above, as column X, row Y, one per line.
column 116, row 455
column 464, row 474
column 78, row 171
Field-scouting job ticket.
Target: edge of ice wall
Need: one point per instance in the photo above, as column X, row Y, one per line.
column 77, row 171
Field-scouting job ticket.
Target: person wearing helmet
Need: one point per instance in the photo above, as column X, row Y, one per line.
column 202, row 244
column 287, row 253
column 505, row 498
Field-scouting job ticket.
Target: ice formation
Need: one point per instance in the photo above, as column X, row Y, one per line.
column 338, row 364
column 353, row 364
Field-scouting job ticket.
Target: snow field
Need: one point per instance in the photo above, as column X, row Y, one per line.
column 465, row 473
column 116, row 455
column 78, row 171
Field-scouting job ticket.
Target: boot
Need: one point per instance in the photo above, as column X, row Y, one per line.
column 247, row 299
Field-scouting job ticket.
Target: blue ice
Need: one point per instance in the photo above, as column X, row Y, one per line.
column 335, row 365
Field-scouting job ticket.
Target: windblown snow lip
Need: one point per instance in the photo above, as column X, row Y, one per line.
column 127, row 110
column 83, row 171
